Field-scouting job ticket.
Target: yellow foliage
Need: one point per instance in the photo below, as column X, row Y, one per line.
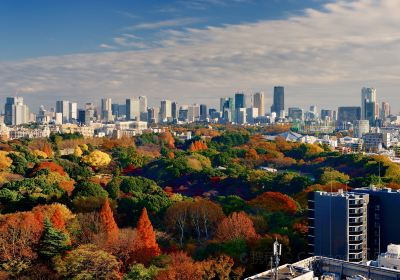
column 85, row 147
column 39, row 154
column 97, row 159
column 78, row 151
column 198, row 162
column 5, row 161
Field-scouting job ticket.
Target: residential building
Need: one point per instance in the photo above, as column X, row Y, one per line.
column 361, row 127
column 338, row 225
column 390, row 259
column 373, row 142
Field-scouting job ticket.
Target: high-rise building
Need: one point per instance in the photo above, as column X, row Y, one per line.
column 385, row 111
column 62, row 106
column 133, row 109
column 251, row 114
column 371, row 112
column 73, row 111
column 361, row 127
column 279, row 100
column 174, row 110
column 259, row 102
column 349, row 114
column 165, row 110
column 106, row 109
column 296, row 114
column 143, row 108
column 327, row 115
column 368, row 95
column 241, row 115
column 240, row 100
column 15, row 111
column 203, row 112
column 383, row 225
column 153, row 115
column 193, row 113
column 338, row 225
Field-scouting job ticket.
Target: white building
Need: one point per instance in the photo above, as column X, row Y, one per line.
column 259, row 103
column 390, row 259
column 62, row 107
column 132, row 109
column 165, row 110
column 16, row 112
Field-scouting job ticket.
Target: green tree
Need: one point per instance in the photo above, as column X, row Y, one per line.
column 53, row 241
column 140, row 272
column 86, row 189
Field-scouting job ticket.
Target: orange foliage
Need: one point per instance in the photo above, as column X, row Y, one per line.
column 147, row 246
column 301, row 227
column 67, row 186
column 198, row 146
column 107, row 222
column 41, row 145
column 19, row 236
column 52, row 166
column 237, row 225
column 57, row 219
column 109, row 143
column 274, row 202
column 168, row 139
column 181, row 267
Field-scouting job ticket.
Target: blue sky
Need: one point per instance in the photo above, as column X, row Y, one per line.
column 57, row 27
column 323, row 52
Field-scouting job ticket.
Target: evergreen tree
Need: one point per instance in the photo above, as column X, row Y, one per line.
column 53, row 241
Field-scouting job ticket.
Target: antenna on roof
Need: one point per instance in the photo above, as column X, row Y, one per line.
column 277, row 254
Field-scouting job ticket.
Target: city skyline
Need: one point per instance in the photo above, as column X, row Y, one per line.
column 194, row 54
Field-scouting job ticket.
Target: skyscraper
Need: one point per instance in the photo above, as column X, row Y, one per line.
column 106, row 109
column 240, row 100
column 203, row 112
column 15, row 111
column 193, row 113
column 132, row 109
column 73, row 111
column 259, row 102
column 338, row 225
column 348, row 114
column 143, row 108
column 62, row 107
column 368, row 95
column 385, row 111
column 279, row 100
column 165, row 110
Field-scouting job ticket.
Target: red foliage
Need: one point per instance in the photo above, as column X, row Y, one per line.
column 107, row 222
column 147, row 246
column 168, row 139
column 52, row 166
column 169, row 191
column 57, row 219
column 274, row 202
column 181, row 267
column 67, row 186
column 198, row 146
column 237, row 225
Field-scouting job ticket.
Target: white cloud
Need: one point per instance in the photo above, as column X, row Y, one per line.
column 322, row 57
column 163, row 24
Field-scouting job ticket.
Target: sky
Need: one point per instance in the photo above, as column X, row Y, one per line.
column 196, row 51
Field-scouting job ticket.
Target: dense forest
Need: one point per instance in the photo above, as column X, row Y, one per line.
column 156, row 207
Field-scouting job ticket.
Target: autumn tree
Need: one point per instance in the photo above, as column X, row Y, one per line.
column 88, row 262
column 53, row 241
column 147, row 246
column 107, row 222
column 5, row 161
column 198, row 146
column 181, row 267
column 57, row 219
column 237, row 225
column 274, row 202
column 221, row 267
column 167, row 138
column 97, row 159
column 176, row 218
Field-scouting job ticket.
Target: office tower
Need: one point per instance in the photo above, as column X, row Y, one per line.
column 193, row 113
column 241, row 115
column 73, row 111
column 361, row 127
column 81, row 116
column 115, row 109
column 15, row 111
column 279, row 100
column 259, row 102
column 231, row 107
column 349, row 114
column 222, row 103
column 240, row 100
column 174, row 110
column 214, row 114
column 203, row 112
column 296, row 114
column 338, row 225
column 383, row 219
column 106, row 109
column 62, row 106
column 165, row 110
column 143, row 108
column 368, row 95
column 327, row 115
column 183, row 113
column 371, row 112
column 122, row 110
column 251, row 114
column 133, row 109
column 385, row 111
column 153, row 115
